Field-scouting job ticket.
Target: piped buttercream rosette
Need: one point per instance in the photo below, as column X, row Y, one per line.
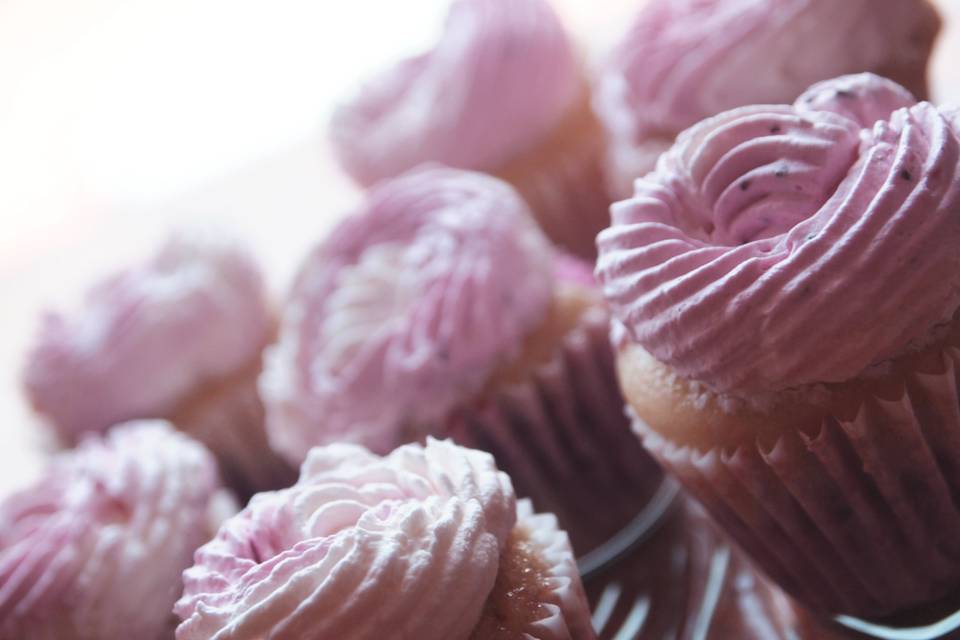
column 502, row 91
column 179, row 337
column 685, row 60
column 419, row 544
column 94, row 549
column 769, row 236
column 405, row 310
column 502, row 75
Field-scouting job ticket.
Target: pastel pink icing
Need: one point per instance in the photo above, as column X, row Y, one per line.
column 685, row 60
column 405, row 546
column 95, row 548
column 776, row 246
column 503, row 74
column 147, row 336
column 404, row 311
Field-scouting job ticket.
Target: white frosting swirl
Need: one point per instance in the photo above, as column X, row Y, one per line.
column 407, row 546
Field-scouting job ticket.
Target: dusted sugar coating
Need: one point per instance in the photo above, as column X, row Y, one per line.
column 407, row 545
column 776, row 246
column 685, row 60
column 503, row 75
column 148, row 336
column 404, row 311
column 95, row 548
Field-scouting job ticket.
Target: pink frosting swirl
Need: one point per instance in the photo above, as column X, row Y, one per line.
column 503, row 74
column 776, row 246
column 685, row 60
column 404, row 311
column 149, row 335
column 94, row 550
column 361, row 546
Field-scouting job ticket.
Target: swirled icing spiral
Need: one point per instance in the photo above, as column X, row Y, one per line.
column 776, row 246
column 95, row 548
column 503, row 74
column 149, row 335
column 407, row 545
column 405, row 310
column 685, row 60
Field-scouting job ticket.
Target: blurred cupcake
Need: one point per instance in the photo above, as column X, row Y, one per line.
column 502, row 92
column 427, row 543
column 440, row 308
column 178, row 337
column 685, row 60
column 95, row 548
column 787, row 284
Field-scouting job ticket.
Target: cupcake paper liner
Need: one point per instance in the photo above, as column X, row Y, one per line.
column 565, row 440
column 562, row 180
column 228, row 418
column 852, row 516
column 567, row 613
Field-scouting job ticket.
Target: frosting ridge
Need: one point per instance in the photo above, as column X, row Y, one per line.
column 411, row 540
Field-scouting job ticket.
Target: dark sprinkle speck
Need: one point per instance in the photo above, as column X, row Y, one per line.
column 775, row 129
column 744, row 185
column 810, row 236
column 781, row 173
column 906, row 175
column 843, row 93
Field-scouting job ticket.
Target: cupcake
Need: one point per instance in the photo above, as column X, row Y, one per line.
column 94, row 549
column 502, row 92
column 684, row 60
column 785, row 287
column 427, row 542
column 440, row 308
column 178, row 337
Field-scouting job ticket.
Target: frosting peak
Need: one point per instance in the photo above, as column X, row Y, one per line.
column 502, row 75
column 404, row 310
column 776, row 246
